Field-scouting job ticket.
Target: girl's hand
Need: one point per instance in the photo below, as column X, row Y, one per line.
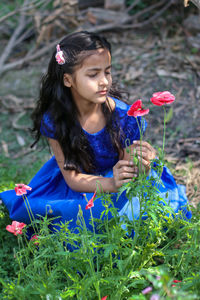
column 123, row 172
column 145, row 153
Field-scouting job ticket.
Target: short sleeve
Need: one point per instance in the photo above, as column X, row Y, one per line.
column 47, row 127
column 132, row 128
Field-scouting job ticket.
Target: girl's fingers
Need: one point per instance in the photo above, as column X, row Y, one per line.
column 143, row 154
column 125, row 175
column 146, row 152
column 123, row 172
column 127, row 180
column 145, row 145
column 128, row 169
column 145, row 163
column 123, row 163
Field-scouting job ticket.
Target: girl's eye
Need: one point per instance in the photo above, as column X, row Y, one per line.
column 108, row 73
column 92, row 75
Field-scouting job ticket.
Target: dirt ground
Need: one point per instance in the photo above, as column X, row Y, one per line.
column 144, row 61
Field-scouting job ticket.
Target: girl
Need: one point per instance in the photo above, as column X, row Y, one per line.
column 86, row 125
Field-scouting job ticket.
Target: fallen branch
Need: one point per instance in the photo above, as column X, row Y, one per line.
column 19, row 35
column 126, row 22
column 23, row 152
column 16, row 119
column 194, row 139
column 31, row 5
column 28, row 58
column 123, row 25
column 14, row 37
column 149, row 8
column 132, row 6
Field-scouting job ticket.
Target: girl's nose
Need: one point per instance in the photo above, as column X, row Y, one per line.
column 103, row 80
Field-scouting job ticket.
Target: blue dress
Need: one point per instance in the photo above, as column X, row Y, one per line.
column 51, row 195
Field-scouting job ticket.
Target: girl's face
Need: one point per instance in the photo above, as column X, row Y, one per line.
column 92, row 80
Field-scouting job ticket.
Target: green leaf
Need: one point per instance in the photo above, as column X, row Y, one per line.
column 109, row 249
column 169, row 115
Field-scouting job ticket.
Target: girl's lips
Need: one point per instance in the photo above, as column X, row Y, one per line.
column 102, row 92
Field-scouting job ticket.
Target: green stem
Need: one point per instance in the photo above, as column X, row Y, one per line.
column 137, row 228
column 164, row 133
column 21, row 240
column 21, row 266
column 90, row 259
column 111, row 263
column 132, row 214
column 140, row 129
column 31, row 214
column 95, row 238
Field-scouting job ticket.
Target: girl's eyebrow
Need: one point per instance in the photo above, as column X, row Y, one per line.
column 98, row 69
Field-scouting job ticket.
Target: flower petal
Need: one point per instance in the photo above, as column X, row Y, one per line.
column 10, row 228
column 27, row 187
column 147, row 290
column 21, row 188
column 161, row 98
column 140, row 113
column 90, row 202
column 134, row 107
column 15, row 227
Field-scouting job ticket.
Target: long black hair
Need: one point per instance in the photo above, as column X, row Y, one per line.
column 56, row 100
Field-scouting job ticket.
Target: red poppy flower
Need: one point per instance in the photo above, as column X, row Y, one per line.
column 161, row 98
column 15, row 227
column 21, row 189
column 136, row 109
column 91, row 202
column 176, row 281
column 104, row 298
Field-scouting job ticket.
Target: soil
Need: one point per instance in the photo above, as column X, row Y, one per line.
column 144, row 61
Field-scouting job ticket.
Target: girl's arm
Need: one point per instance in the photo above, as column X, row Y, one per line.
column 123, row 172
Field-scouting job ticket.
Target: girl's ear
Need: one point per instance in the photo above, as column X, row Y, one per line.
column 67, row 80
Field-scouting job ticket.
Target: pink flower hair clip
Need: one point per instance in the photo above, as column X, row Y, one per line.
column 59, row 56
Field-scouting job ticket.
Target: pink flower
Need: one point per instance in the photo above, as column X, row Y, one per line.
column 21, row 188
column 91, row 202
column 136, row 109
column 35, row 237
column 59, row 56
column 161, row 98
column 147, row 290
column 15, row 227
column 104, row 298
column 155, row 297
